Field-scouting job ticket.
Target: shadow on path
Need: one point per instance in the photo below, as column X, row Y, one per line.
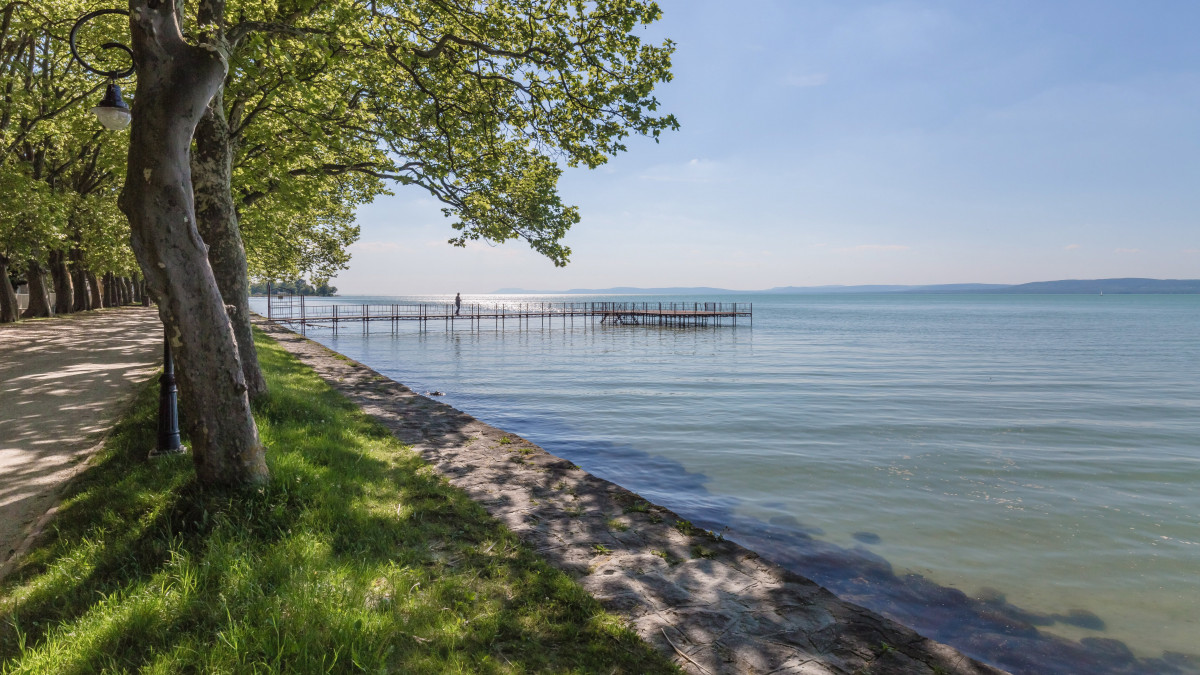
column 62, row 383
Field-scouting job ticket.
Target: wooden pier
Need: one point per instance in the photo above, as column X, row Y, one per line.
column 295, row 311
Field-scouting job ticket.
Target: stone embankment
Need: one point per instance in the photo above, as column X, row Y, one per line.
column 713, row 605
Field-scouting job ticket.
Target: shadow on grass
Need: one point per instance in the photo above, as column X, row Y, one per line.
column 354, row 557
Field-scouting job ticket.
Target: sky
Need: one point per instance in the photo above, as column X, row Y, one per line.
column 844, row 142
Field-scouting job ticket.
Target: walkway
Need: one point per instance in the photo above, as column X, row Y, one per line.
column 63, row 384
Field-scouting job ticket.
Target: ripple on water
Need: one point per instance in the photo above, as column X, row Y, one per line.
column 1011, row 474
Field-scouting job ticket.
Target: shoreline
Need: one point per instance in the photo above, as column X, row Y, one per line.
column 712, row 604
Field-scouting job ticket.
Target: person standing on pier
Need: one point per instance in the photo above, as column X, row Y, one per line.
column 457, row 303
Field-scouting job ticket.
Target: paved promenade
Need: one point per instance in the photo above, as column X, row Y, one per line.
column 63, row 383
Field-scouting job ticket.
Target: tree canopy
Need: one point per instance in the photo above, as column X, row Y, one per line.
column 259, row 128
column 476, row 103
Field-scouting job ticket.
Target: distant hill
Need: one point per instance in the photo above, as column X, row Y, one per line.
column 1065, row 286
column 629, row 290
column 1111, row 286
column 939, row 288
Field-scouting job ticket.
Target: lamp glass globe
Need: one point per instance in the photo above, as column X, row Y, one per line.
column 113, row 119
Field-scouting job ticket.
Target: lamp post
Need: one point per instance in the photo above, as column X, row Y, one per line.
column 168, row 407
column 115, row 115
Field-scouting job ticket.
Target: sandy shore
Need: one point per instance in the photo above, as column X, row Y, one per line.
column 713, row 605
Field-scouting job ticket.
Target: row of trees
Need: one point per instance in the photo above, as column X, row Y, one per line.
column 59, row 225
column 293, row 287
column 61, row 230
column 254, row 139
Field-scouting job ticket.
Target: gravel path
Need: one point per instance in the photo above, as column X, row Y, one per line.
column 713, row 605
column 63, row 383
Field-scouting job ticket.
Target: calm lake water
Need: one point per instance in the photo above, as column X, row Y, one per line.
column 1017, row 475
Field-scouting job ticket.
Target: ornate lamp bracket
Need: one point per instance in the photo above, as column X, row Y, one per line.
column 110, row 74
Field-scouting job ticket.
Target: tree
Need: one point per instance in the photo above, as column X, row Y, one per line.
column 469, row 102
column 50, row 150
column 472, row 102
column 294, row 287
column 175, row 82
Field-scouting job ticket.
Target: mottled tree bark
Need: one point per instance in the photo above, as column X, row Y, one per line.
column 114, row 290
column 79, row 281
column 106, row 290
column 39, row 298
column 93, row 284
column 8, row 294
column 64, row 294
column 176, row 81
column 126, row 291
column 216, row 218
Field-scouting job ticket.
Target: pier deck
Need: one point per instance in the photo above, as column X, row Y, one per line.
column 295, row 311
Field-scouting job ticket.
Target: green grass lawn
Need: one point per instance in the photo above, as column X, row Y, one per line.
column 356, row 557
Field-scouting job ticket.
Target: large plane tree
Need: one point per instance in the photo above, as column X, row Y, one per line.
column 474, row 102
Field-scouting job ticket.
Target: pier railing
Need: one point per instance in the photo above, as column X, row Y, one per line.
column 296, row 310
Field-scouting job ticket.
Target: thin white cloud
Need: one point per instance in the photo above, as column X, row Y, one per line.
column 876, row 247
column 809, row 80
column 1072, row 247
column 381, row 246
column 693, row 171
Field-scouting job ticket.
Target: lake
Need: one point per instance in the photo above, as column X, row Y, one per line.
column 1017, row 475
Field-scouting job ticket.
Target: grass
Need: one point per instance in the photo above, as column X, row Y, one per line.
column 614, row 524
column 354, row 558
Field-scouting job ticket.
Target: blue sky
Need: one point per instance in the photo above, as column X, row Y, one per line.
column 842, row 142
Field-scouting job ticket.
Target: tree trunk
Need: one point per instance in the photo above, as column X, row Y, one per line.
column 127, row 291
column 39, row 299
column 217, row 221
column 175, row 83
column 64, row 295
column 8, row 294
column 94, row 299
column 142, row 290
column 106, row 290
column 135, row 285
column 79, row 281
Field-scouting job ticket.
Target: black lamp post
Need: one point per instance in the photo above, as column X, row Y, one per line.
column 115, row 115
column 168, row 407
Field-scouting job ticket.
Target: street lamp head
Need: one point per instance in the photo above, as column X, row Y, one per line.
column 112, row 111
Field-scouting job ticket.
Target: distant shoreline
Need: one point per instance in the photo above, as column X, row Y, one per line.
column 1121, row 286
